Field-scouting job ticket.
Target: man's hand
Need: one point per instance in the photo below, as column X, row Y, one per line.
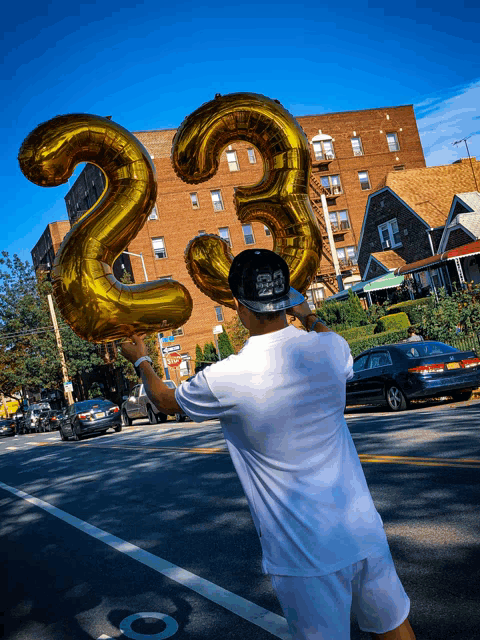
column 134, row 350
column 300, row 311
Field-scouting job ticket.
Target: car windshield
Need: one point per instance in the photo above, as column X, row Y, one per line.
column 88, row 405
column 422, row 350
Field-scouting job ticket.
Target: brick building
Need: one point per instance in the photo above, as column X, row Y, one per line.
column 43, row 253
column 352, row 152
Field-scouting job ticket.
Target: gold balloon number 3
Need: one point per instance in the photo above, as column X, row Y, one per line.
column 90, row 298
column 279, row 200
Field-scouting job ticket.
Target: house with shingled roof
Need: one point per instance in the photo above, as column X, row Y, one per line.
column 417, row 214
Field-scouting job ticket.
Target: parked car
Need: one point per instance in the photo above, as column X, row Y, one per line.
column 31, row 417
column 397, row 373
column 49, row 421
column 139, row 405
column 8, row 427
column 89, row 417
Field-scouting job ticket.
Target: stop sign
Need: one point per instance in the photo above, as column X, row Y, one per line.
column 174, row 360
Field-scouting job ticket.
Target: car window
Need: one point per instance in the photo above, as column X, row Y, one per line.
column 379, row 359
column 170, row 384
column 360, row 362
column 136, row 391
column 420, row 350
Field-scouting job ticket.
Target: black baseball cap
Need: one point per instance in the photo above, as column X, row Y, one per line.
column 260, row 279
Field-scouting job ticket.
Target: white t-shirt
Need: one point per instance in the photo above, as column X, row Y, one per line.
column 280, row 402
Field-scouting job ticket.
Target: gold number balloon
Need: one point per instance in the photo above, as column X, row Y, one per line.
column 279, row 200
column 92, row 301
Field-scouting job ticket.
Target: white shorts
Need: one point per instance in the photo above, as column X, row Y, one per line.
column 318, row 608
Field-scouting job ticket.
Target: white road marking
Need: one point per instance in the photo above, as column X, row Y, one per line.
column 271, row 622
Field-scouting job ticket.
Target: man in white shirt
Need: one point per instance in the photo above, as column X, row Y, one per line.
column 280, row 402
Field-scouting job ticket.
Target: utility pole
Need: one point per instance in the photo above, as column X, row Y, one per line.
column 68, row 394
column 331, row 242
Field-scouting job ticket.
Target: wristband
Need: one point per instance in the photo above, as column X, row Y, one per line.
column 143, row 359
column 315, row 322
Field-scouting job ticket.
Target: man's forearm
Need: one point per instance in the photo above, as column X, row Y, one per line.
column 158, row 392
column 310, row 319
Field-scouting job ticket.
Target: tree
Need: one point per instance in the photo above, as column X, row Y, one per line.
column 238, row 334
column 224, row 345
column 153, row 350
column 198, row 356
column 210, row 353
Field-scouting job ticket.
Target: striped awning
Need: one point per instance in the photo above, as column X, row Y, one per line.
column 470, row 249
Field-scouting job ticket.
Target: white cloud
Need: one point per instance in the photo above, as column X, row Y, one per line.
column 446, row 117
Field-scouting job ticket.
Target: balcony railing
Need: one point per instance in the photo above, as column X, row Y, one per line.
column 333, row 190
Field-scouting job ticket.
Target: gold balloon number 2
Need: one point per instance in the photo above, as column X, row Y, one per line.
column 90, row 298
column 92, row 301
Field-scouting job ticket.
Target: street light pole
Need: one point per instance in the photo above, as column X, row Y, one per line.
column 164, row 360
column 139, row 255
column 68, row 394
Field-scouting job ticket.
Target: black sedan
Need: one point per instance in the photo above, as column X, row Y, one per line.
column 7, row 427
column 89, row 417
column 396, row 373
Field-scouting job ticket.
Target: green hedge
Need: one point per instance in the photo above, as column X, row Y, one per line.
column 413, row 308
column 392, row 322
column 388, row 337
column 355, row 333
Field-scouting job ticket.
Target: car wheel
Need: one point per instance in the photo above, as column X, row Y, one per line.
column 118, row 428
column 395, row 399
column 152, row 418
column 460, row 396
column 76, row 435
column 179, row 417
column 162, row 417
column 63, row 436
column 125, row 419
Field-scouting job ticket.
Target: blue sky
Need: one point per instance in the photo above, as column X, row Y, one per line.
column 149, row 66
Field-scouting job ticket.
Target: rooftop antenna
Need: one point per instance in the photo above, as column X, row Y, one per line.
column 469, row 156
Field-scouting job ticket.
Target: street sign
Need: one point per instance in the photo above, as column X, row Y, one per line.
column 68, row 386
column 185, row 357
column 174, row 360
column 174, row 347
column 169, row 339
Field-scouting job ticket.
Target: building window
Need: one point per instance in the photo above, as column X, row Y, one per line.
column 364, row 180
column 184, row 366
column 323, row 150
column 224, row 233
column 332, row 184
column 392, row 142
column 339, row 220
column 194, row 200
column 248, row 234
column 219, row 312
column 267, row 230
column 159, row 247
column 399, row 167
column 347, row 255
column 217, row 200
column 389, row 234
column 251, row 156
column 232, row 161
column 154, row 214
column 178, row 332
column 201, row 232
column 357, row 146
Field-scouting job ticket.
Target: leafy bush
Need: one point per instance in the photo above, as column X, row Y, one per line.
column 461, row 309
column 376, row 311
column 355, row 333
column 392, row 322
column 388, row 337
column 413, row 308
column 343, row 314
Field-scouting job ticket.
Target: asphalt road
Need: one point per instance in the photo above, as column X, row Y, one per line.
column 146, row 534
